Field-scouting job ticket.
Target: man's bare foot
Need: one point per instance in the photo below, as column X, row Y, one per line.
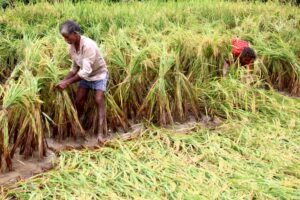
column 103, row 139
column 100, row 139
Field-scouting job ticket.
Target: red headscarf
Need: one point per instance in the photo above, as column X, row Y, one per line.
column 238, row 46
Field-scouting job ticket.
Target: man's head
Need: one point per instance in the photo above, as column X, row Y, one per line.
column 70, row 30
column 247, row 56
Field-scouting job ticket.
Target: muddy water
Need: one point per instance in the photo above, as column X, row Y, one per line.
column 24, row 169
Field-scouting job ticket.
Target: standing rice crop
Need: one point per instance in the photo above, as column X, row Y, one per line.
column 21, row 119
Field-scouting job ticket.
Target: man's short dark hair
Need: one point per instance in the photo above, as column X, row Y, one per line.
column 248, row 52
column 69, row 27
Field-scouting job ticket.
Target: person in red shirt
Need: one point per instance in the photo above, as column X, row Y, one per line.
column 241, row 53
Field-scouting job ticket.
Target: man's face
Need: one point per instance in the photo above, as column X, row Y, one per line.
column 246, row 61
column 70, row 38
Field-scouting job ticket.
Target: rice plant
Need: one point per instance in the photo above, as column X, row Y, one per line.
column 30, row 133
column 64, row 115
column 21, row 119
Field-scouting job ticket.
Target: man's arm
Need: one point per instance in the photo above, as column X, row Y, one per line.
column 73, row 79
column 69, row 78
column 66, row 82
column 73, row 71
column 226, row 65
column 70, row 75
column 88, row 58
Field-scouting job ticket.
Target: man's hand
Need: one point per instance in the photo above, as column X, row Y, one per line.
column 227, row 60
column 62, row 85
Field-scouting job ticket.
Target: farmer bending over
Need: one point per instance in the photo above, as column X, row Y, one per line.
column 242, row 53
column 89, row 68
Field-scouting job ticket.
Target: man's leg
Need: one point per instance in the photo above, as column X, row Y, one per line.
column 80, row 100
column 100, row 103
